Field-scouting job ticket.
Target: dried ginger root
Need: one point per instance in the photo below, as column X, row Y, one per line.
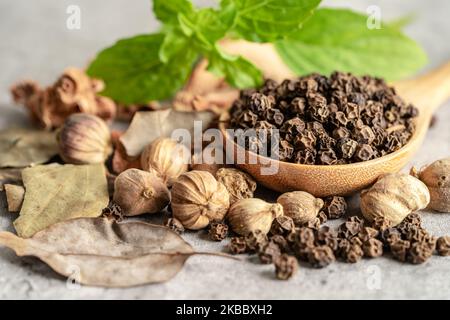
column 73, row 92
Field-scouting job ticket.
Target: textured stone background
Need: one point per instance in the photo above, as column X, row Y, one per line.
column 35, row 43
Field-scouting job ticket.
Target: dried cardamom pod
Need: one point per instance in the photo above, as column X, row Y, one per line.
column 436, row 176
column 250, row 215
column 84, row 139
column 167, row 158
column 198, row 199
column 138, row 192
column 393, row 197
column 301, row 206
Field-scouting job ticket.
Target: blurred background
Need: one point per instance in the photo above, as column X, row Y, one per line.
column 36, row 43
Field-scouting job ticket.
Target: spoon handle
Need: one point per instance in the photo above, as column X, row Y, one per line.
column 427, row 92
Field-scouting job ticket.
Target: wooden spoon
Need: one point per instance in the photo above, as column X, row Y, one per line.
column 426, row 92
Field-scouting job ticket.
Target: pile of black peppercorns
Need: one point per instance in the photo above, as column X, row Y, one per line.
column 326, row 120
column 319, row 245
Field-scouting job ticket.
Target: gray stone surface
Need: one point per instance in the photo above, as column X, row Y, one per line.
column 35, row 43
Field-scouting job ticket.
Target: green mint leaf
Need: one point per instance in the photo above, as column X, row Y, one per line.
column 134, row 73
column 174, row 43
column 207, row 26
column 338, row 39
column 237, row 71
column 269, row 20
column 167, row 10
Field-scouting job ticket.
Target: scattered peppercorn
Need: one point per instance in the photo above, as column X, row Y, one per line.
column 381, row 224
column 305, row 236
column 399, row 249
column 282, row 225
column 443, row 246
column 414, row 219
column 113, row 211
column 218, row 231
column 367, row 233
column 352, row 253
column 255, row 240
column 269, row 252
column 322, row 245
column 285, row 266
column 390, row 236
column 349, row 229
column 238, row 245
column 419, row 253
column 326, row 120
column 335, row 207
column 313, row 224
column 321, row 256
column 373, row 248
column 322, row 217
column 281, row 242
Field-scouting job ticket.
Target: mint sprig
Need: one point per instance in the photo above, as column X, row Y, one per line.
column 134, row 73
column 153, row 67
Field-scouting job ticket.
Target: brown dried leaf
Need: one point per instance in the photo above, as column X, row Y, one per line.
column 147, row 126
column 120, row 161
column 22, row 147
column 106, row 253
column 56, row 193
column 14, row 197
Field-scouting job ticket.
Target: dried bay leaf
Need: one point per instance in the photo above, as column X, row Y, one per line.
column 14, row 197
column 106, row 253
column 147, row 126
column 22, row 147
column 56, row 193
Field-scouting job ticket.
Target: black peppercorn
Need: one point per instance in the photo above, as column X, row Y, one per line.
column 285, row 266
column 282, row 225
column 282, row 243
column 335, row 207
column 381, row 224
column 390, row 236
column 353, row 253
column 218, row 231
column 238, row 245
column 419, row 252
column 399, row 249
column 362, row 109
column 367, row 233
column 113, row 211
column 443, row 246
column 373, row 248
column 321, row 256
column 269, row 252
column 255, row 240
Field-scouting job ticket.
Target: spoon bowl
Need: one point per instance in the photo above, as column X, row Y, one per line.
column 426, row 92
